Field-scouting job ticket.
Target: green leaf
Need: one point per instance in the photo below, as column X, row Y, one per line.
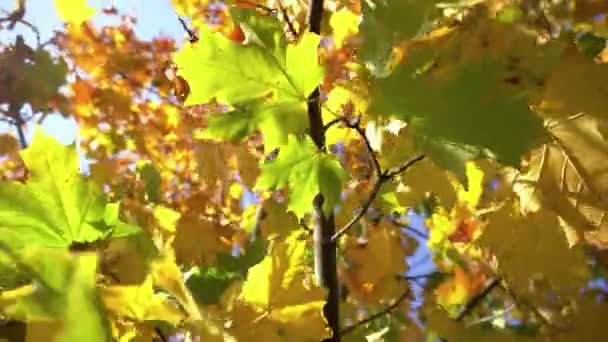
column 590, row 45
column 265, row 81
column 208, row 284
column 483, row 104
column 232, row 73
column 232, row 126
column 385, row 22
column 308, row 172
column 151, row 178
column 263, row 30
column 65, row 291
column 57, row 206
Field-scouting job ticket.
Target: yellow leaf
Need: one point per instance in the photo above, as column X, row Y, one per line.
column 198, row 240
column 568, row 176
column 139, row 302
column 166, row 217
column 532, row 250
column 74, row 11
column 302, row 322
column 470, row 197
column 344, row 23
column 167, row 275
column 375, row 263
column 283, row 277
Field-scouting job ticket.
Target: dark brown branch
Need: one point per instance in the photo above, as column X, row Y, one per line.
column 490, row 285
column 290, row 27
column 266, row 9
column 407, row 227
column 420, row 276
column 405, row 166
column 383, row 177
column 361, row 212
column 326, row 266
column 332, row 123
column 375, row 316
column 191, row 35
column 355, row 124
column 16, row 120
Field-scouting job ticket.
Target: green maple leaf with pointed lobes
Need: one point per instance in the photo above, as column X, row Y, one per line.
column 65, row 295
column 462, row 108
column 266, row 81
column 307, row 171
column 57, row 206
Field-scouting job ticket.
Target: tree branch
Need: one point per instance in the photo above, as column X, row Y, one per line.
column 383, row 177
column 420, row 276
column 326, row 266
column 490, row 285
column 191, row 35
column 409, row 228
column 290, row 26
column 356, row 125
column 375, row 316
column 16, row 120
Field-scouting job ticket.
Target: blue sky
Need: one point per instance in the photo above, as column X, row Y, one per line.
column 154, row 17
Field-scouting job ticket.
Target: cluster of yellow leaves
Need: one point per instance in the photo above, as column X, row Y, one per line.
column 374, row 263
column 279, row 301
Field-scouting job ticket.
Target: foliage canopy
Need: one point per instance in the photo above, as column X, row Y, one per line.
column 221, row 171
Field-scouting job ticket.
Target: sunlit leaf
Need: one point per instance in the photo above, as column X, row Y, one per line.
column 57, row 206
column 74, row 11
column 307, row 171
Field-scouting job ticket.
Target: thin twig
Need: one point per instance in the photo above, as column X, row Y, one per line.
column 355, row 124
column 332, row 123
column 493, row 316
column 419, row 276
column 375, row 316
column 416, row 232
column 405, row 166
column 290, row 26
column 383, row 177
column 192, row 36
column 522, row 304
column 268, row 10
column 409, row 228
column 490, row 285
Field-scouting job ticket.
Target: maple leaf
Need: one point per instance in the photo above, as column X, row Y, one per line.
column 65, row 294
column 375, row 265
column 307, row 171
column 263, row 96
column 139, row 302
column 533, row 245
column 57, row 206
column 280, row 285
column 74, row 11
